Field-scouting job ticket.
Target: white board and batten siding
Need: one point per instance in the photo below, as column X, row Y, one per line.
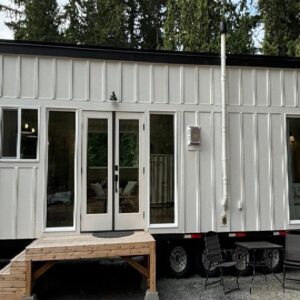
column 259, row 100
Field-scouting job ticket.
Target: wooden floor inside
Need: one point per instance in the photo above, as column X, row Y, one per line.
column 17, row 279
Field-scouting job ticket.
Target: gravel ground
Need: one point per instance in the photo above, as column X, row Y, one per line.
column 111, row 281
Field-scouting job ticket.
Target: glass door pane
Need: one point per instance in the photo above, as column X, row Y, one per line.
column 128, row 166
column 97, row 167
column 61, row 159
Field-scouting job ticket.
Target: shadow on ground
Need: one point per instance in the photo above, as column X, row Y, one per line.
column 107, row 280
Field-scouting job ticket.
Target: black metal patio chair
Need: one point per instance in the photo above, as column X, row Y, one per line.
column 291, row 258
column 215, row 257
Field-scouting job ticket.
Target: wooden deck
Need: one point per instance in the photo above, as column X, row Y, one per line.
column 17, row 279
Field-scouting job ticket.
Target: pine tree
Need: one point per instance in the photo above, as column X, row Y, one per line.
column 103, row 23
column 281, row 20
column 150, row 23
column 40, row 21
column 194, row 25
column 72, row 19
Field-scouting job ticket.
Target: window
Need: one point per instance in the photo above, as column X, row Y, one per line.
column 19, row 133
column 161, row 169
column 61, row 161
column 293, row 142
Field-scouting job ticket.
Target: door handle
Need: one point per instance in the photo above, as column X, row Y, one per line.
column 116, row 182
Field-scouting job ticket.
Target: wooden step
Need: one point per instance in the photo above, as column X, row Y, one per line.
column 5, row 271
column 13, row 278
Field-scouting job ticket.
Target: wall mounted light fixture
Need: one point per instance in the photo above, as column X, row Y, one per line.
column 113, row 97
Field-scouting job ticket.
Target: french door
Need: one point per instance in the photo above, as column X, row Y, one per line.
column 112, row 171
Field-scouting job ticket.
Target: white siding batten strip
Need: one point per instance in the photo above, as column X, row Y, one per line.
column 181, row 85
column 198, row 194
column 71, row 79
column 36, row 78
column 254, row 89
column 296, row 89
column 104, row 81
column 15, row 204
column 282, row 99
column 18, row 79
column 213, row 174
column 241, row 132
column 151, row 84
column 211, row 91
column 270, row 173
column 256, row 167
column 181, row 146
column 240, row 83
column 33, row 202
column 268, row 83
column 136, row 84
column 166, row 100
column 285, row 199
column 88, row 82
column 196, row 79
column 54, row 76
column 120, row 70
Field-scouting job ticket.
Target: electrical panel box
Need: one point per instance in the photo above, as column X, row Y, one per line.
column 193, row 135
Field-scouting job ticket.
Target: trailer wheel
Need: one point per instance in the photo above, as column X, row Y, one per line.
column 179, row 261
column 273, row 259
column 202, row 265
column 241, row 256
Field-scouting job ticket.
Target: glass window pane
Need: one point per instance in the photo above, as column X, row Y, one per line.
column 128, row 166
column 294, row 167
column 161, row 169
column 9, row 133
column 60, row 189
column 97, row 163
column 29, row 133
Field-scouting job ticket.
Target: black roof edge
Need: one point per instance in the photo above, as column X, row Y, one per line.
column 155, row 56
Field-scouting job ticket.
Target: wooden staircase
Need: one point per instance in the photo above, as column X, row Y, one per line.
column 17, row 277
column 13, row 278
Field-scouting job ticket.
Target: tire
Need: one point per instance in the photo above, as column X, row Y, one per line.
column 179, row 261
column 275, row 256
column 241, row 256
column 202, row 265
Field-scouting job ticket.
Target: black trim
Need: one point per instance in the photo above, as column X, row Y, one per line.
column 170, row 57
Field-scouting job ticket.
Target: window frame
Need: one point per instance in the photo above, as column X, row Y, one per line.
column 18, row 152
column 289, row 172
column 77, row 181
column 175, row 174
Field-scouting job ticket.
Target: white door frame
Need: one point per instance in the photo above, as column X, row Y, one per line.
column 113, row 219
column 136, row 220
column 89, row 221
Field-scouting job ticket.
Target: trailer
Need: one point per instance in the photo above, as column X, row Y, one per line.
column 105, row 139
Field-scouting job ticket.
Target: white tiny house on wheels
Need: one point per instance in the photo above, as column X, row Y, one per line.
column 102, row 139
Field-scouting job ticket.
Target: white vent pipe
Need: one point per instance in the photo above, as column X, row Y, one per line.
column 225, row 200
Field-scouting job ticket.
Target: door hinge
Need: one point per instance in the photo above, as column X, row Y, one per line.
column 143, row 215
column 143, row 170
column 143, row 126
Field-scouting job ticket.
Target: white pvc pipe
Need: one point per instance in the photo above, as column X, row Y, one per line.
column 225, row 200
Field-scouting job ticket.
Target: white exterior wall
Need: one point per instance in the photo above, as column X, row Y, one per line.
column 259, row 100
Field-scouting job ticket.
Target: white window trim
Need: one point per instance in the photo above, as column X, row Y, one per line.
column 75, row 207
column 18, row 158
column 294, row 222
column 175, row 123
